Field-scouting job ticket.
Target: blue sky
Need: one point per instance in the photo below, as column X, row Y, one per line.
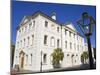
column 65, row 13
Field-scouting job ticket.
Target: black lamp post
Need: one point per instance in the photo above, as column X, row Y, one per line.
column 86, row 24
column 41, row 63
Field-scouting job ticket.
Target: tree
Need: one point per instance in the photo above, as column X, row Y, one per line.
column 57, row 56
column 12, row 53
column 84, row 57
column 94, row 50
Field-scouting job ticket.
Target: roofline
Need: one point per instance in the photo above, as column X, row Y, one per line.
column 48, row 17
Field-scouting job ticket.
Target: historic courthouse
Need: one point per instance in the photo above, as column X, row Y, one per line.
column 38, row 35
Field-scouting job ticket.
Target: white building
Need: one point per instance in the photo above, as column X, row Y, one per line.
column 42, row 33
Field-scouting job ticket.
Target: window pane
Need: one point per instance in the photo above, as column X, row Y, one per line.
column 65, row 44
column 52, row 41
column 30, row 25
column 33, row 23
column 46, row 24
column 45, row 39
column 70, row 45
column 65, row 31
column 57, row 29
column 44, row 58
column 58, row 43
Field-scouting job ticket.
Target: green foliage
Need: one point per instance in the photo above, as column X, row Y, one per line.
column 84, row 56
column 12, row 53
column 57, row 56
column 94, row 50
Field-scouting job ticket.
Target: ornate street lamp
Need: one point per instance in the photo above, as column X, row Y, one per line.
column 86, row 24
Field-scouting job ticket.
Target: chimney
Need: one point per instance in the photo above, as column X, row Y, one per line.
column 53, row 16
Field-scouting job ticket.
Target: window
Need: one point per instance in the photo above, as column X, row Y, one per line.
column 82, row 48
column 57, row 29
column 69, row 33
column 22, row 30
column 24, row 42
column 45, row 39
column 32, row 39
column 19, row 31
column 44, row 58
column 74, row 35
column 17, row 44
column 25, row 28
column 81, row 39
column 33, row 23
column 65, row 44
column 46, row 24
column 16, row 56
column 57, row 43
column 77, row 37
column 30, row 25
column 31, row 58
column 77, row 47
column 26, row 59
column 65, row 31
column 70, row 45
column 52, row 41
column 28, row 40
column 53, row 26
column 21, row 43
column 67, row 54
column 74, row 46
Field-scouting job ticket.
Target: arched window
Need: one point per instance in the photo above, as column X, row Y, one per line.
column 26, row 59
column 31, row 58
column 45, row 58
column 28, row 40
column 20, row 43
column 52, row 41
column 32, row 39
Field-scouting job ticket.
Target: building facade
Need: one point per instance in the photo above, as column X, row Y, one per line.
column 38, row 35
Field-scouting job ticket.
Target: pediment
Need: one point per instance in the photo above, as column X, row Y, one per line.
column 25, row 20
column 71, row 26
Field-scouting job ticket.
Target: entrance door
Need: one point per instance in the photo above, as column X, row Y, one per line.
column 22, row 61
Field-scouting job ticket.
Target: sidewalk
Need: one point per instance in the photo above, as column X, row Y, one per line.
column 74, row 68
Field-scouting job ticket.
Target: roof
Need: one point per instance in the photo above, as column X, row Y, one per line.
column 46, row 16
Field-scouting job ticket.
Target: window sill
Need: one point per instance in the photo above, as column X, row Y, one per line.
column 44, row 64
